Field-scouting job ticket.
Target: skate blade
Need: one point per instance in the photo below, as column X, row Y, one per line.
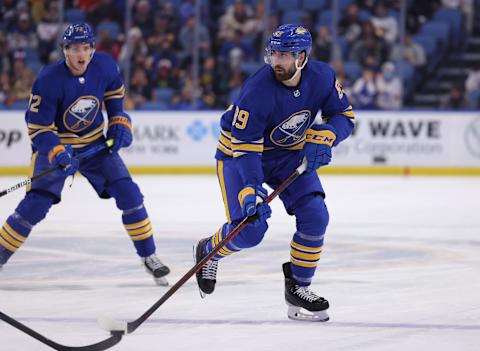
column 202, row 294
column 162, row 281
column 301, row 314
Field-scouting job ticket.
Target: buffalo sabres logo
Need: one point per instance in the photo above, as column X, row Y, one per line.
column 291, row 131
column 81, row 113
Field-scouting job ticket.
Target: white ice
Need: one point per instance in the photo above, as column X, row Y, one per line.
column 400, row 267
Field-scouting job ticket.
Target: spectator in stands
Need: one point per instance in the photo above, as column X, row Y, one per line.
column 409, row 51
column 107, row 44
column 8, row 13
column 420, row 13
column 140, row 88
column 364, row 91
column 350, row 25
column 5, row 88
column 142, row 17
column 369, row 46
column 389, row 88
column 468, row 9
column 23, row 34
column 4, row 59
column 22, row 77
column 236, row 19
column 165, row 75
column 455, row 99
column 106, row 9
column 185, row 101
column 209, row 81
column 345, row 81
column 47, row 31
column 187, row 38
column 244, row 48
column 138, row 46
column 386, row 26
column 323, row 49
column 472, row 87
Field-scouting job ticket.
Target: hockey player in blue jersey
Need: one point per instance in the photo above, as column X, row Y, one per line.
column 265, row 136
column 65, row 118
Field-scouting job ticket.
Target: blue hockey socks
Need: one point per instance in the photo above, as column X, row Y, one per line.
column 138, row 226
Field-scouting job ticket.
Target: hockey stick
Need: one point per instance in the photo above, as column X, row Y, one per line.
column 99, row 346
column 81, row 156
column 129, row 327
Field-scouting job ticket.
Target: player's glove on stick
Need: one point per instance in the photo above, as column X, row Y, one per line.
column 318, row 146
column 61, row 156
column 251, row 200
column 120, row 130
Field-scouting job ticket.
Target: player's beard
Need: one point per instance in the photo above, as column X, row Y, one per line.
column 282, row 75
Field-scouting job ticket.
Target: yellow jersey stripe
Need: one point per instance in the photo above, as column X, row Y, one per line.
column 120, row 90
column 224, row 149
column 237, row 141
column 247, row 147
column 40, row 126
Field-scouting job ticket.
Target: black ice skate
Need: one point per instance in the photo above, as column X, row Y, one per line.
column 156, row 268
column 303, row 304
column 206, row 277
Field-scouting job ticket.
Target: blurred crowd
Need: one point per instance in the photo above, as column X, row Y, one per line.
column 375, row 70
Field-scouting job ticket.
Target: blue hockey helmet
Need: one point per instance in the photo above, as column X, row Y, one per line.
column 292, row 38
column 78, row 33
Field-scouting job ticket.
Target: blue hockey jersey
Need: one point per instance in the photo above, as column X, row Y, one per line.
column 269, row 116
column 67, row 109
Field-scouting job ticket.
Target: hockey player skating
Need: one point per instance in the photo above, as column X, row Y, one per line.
column 265, row 135
column 65, row 118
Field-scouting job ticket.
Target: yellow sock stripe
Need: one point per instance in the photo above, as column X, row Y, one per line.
column 142, row 237
column 7, row 237
column 303, row 263
column 140, row 230
column 305, row 256
column 7, row 245
column 224, row 251
column 217, row 237
column 14, row 233
column 137, row 224
column 306, row 248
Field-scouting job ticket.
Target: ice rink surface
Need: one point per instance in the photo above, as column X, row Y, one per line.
column 400, row 267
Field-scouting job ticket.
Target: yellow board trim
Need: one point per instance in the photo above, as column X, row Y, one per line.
column 338, row 170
